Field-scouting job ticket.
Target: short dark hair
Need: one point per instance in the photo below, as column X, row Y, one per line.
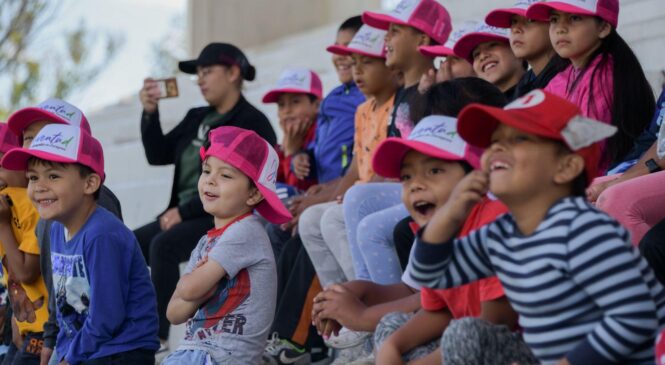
column 450, row 97
column 84, row 171
column 353, row 24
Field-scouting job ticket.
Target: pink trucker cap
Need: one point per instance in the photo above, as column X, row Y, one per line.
column 369, row 41
column 296, row 81
column 447, row 49
column 607, row 10
column 483, row 33
column 251, row 154
column 500, row 18
column 59, row 143
column 434, row 136
column 428, row 16
column 8, row 139
column 52, row 110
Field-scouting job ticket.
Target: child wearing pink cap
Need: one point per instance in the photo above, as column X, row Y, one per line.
column 530, row 41
column 21, row 254
column 298, row 94
column 105, row 303
column 227, row 294
column 412, row 24
column 604, row 79
column 583, row 293
column 487, row 48
column 448, row 65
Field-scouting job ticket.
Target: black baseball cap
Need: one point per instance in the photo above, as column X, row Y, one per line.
column 220, row 54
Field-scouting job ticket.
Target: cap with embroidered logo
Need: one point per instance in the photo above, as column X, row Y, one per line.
column 501, row 18
column 296, row 81
column 428, row 16
column 53, row 111
column 607, row 10
column 482, row 34
column 368, row 41
column 545, row 115
column 59, row 143
column 447, row 49
column 434, row 136
column 253, row 156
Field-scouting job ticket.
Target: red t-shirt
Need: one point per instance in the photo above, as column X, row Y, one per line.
column 464, row 301
column 284, row 173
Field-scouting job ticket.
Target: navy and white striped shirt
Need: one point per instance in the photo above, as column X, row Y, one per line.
column 581, row 290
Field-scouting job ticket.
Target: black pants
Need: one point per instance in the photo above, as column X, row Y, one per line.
column 164, row 251
column 652, row 247
column 133, row 357
column 297, row 286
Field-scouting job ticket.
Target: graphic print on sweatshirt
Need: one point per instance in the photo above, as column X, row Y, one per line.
column 222, row 313
column 72, row 290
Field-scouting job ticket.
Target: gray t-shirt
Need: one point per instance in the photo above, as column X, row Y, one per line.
column 233, row 325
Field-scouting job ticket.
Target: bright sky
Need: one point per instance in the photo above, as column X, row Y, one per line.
column 142, row 22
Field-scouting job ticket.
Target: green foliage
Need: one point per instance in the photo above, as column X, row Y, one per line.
column 35, row 65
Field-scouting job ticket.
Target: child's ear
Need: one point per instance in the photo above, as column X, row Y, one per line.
column 570, row 167
column 605, row 30
column 234, row 74
column 255, row 197
column 92, row 183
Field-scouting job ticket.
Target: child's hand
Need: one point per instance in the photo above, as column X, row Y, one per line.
column 149, row 95
column 301, row 165
column 447, row 219
column 169, row 219
column 5, row 209
column 24, row 309
column 295, row 132
column 426, row 81
column 340, row 304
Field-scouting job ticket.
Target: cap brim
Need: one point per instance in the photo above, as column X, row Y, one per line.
column 465, row 45
column 542, row 11
column 272, row 208
column 21, row 119
column 17, row 158
column 387, row 159
column 436, row 51
column 380, row 21
column 501, row 18
column 188, row 67
column 273, row 95
column 347, row 51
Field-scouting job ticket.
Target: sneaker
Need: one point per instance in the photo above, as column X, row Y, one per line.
column 347, row 338
column 280, row 351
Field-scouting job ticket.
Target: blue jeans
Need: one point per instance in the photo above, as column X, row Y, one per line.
column 371, row 212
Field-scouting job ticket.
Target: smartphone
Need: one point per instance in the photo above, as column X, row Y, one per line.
column 168, row 88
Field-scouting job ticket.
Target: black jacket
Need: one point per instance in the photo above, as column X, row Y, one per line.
column 166, row 149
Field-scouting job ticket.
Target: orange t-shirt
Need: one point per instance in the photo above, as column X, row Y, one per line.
column 371, row 124
column 464, row 301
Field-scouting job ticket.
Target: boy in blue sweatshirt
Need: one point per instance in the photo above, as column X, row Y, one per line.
column 106, row 305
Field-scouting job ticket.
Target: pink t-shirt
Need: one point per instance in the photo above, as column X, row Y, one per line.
column 600, row 106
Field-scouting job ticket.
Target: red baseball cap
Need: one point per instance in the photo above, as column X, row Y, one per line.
column 368, row 41
column 447, row 49
column 59, row 143
column 483, row 33
column 295, row 81
column 8, row 139
column 434, row 136
column 428, row 16
column 248, row 152
column 53, row 111
column 501, row 18
column 607, row 10
column 542, row 114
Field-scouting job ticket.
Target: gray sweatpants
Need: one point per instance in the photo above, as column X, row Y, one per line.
column 465, row 341
column 323, row 235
